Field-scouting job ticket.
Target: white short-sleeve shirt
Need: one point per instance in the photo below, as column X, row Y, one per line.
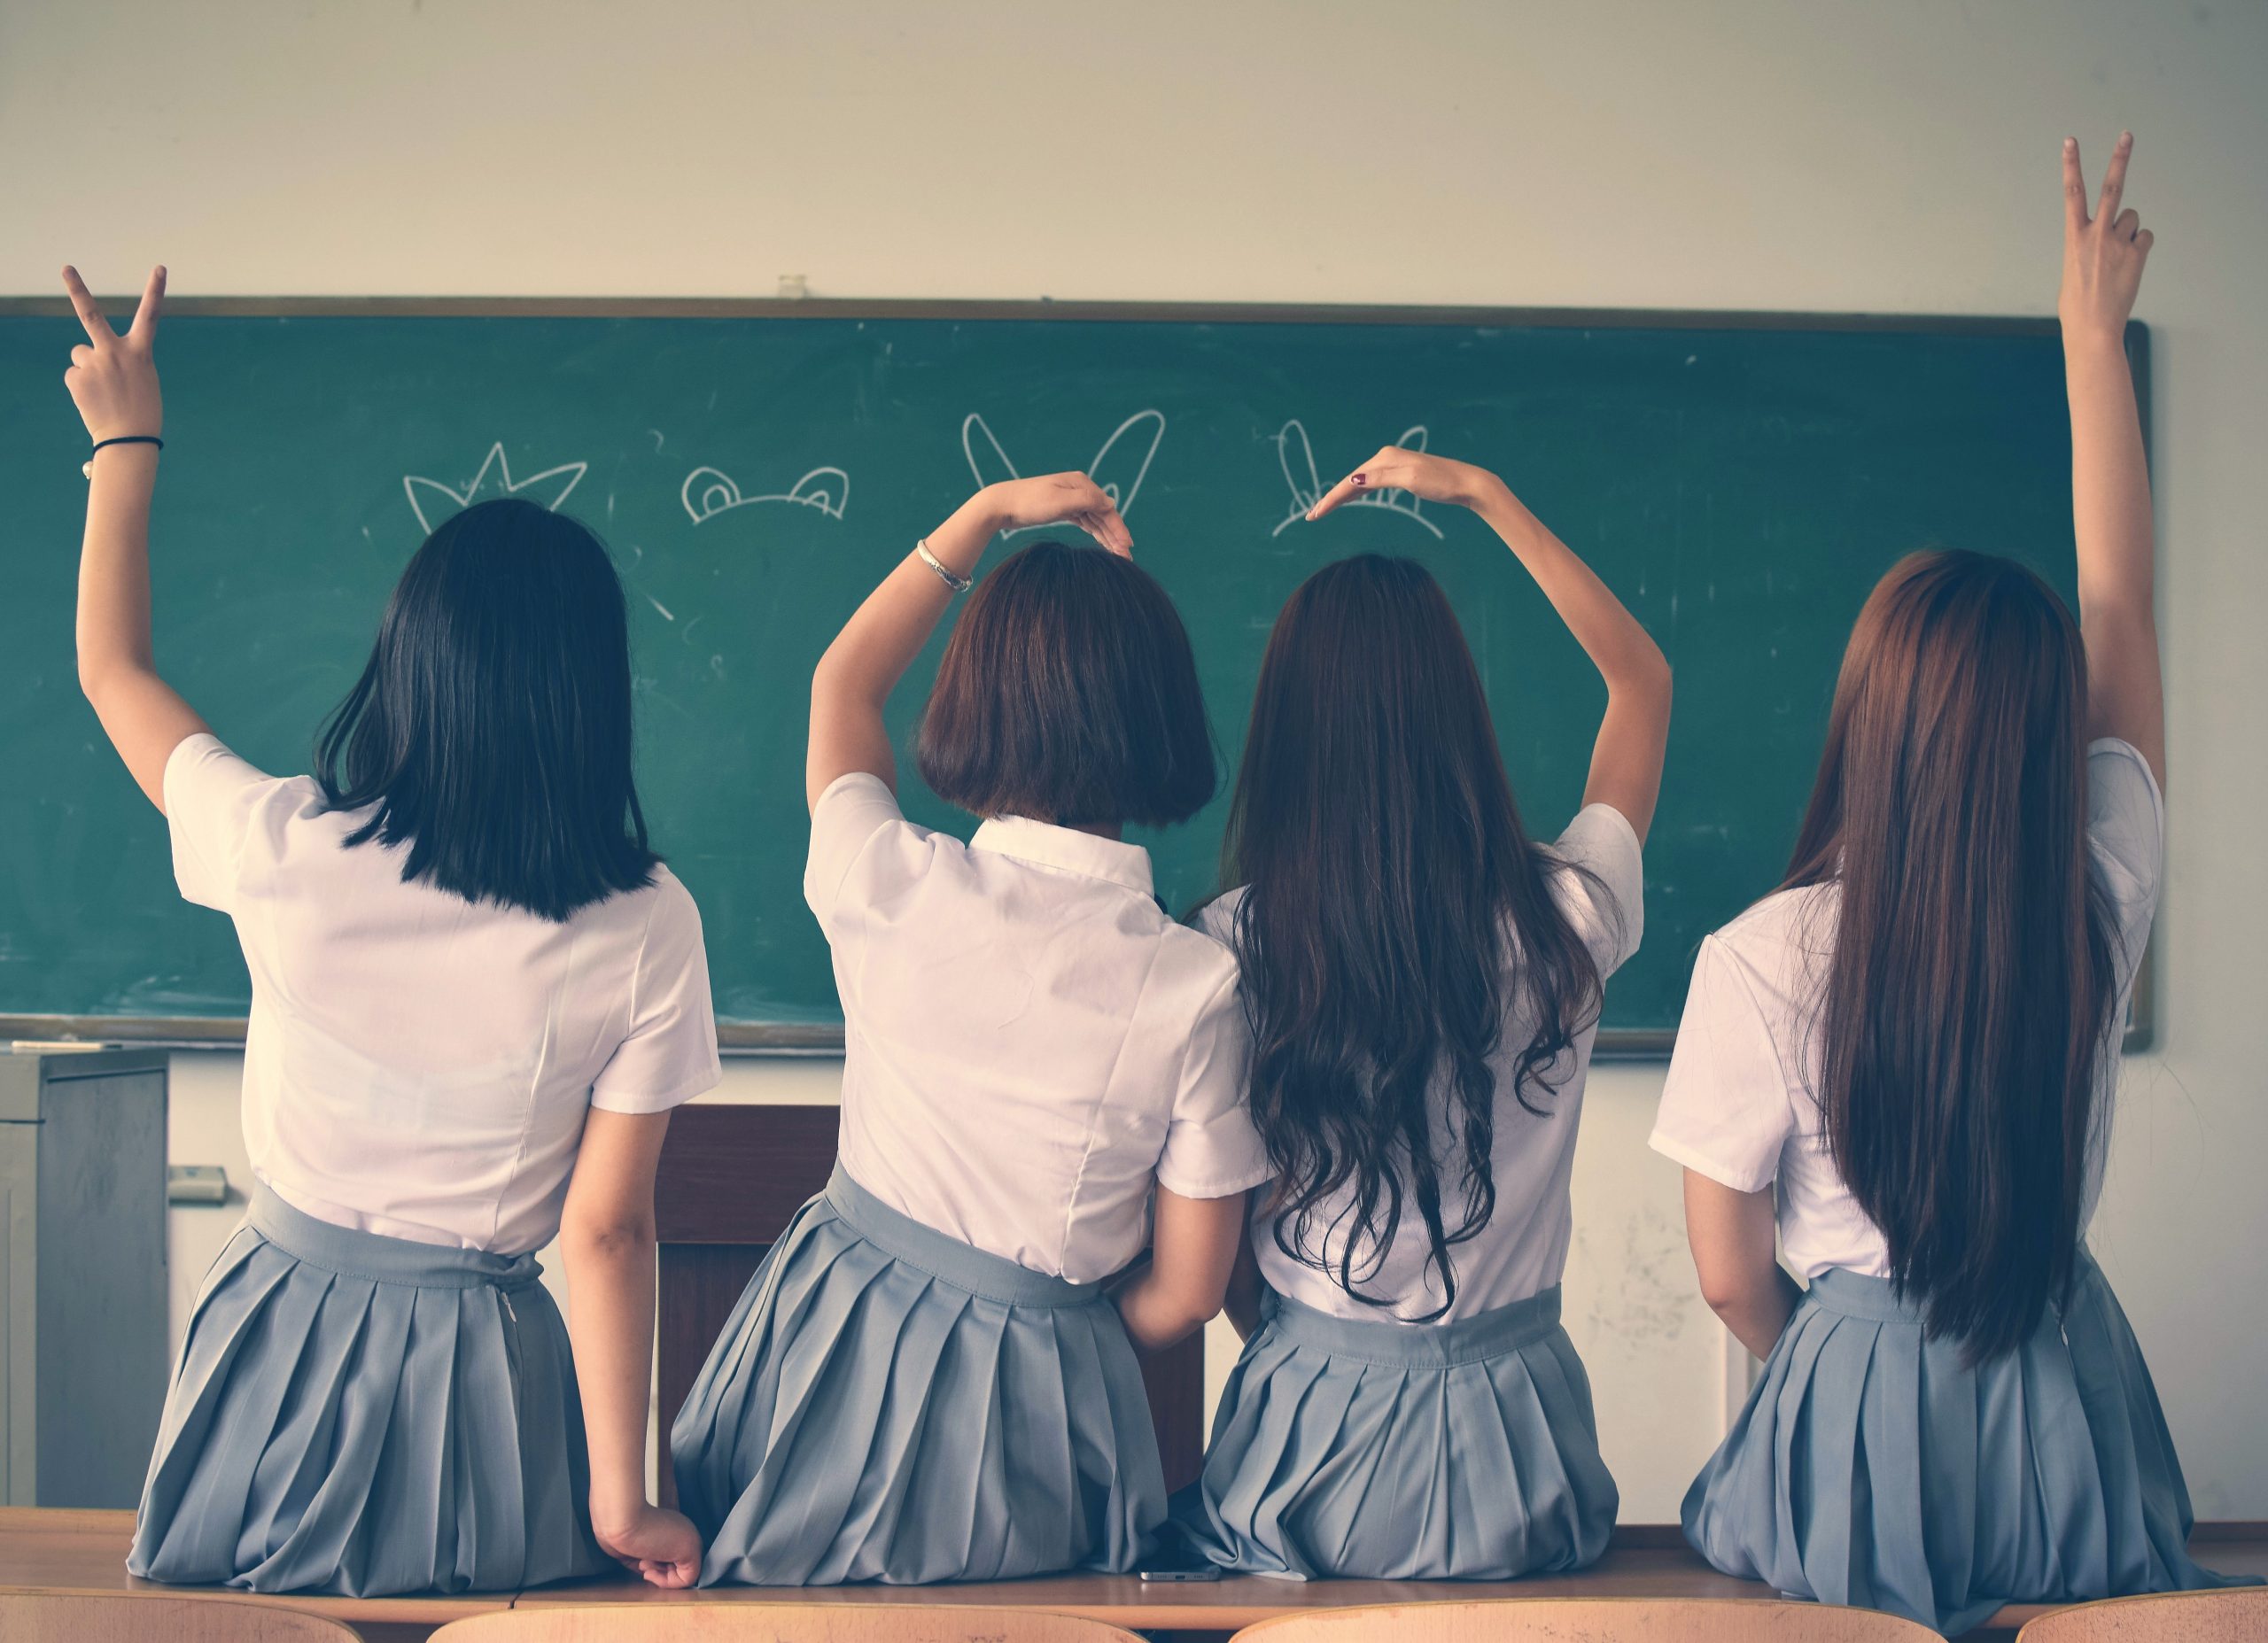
column 1522, row 1250
column 1738, row 1105
column 1029, row 1041
column 417, row 1064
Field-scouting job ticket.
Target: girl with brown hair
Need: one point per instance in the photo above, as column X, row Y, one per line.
column 1901, row 1065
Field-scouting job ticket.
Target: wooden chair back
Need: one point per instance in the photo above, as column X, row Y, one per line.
column 55, row 1617
column 2239, row 1614
column 762, row 1621
column 1593, row 1620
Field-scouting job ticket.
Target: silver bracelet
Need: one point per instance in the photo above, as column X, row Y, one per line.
column 960, row 584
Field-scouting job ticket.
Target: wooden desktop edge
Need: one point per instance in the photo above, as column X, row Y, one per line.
column 1119, row 1598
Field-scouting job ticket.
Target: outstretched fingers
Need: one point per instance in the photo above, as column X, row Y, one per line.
column 83, row 304
column 1370, row 476
column 1109, row 529
column 144, row 328
column 2114, row 179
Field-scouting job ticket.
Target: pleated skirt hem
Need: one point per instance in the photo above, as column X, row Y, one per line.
column 354, row 1415
column 889, row 1404
column 1871, row 1466
column 1464, row 1450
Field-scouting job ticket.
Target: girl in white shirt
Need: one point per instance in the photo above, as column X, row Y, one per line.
column 1423, row 984
column 926, row 1380
column 1902, row 1064
column 475, row 996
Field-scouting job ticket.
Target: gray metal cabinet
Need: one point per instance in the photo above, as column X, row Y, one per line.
column 82, row 1255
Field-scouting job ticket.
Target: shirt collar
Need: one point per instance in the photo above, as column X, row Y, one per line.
column 1047, row 845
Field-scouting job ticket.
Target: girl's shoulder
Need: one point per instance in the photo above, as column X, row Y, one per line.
column 1780, row 946
column 1217, row 918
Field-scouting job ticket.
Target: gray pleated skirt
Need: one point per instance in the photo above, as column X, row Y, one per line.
column 1871, row 1466
column 1365, row 1449
column 891, row 1404
column 360, row 1416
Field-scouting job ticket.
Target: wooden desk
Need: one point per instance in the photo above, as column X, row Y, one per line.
column 84, row 1552
column 1646, row 1560
column 51, row 1550
column 731, row 1179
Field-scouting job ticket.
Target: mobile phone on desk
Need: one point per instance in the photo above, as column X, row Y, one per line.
column 1175, row 1557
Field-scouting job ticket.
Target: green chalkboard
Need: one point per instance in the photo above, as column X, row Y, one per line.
column 1740, row 480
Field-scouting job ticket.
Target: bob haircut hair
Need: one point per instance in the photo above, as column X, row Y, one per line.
column 1067, row 694
column 490, row 730
column 1966, row 1011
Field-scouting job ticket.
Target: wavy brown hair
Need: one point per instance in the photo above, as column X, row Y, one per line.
column 1394, row 908
column 1967, row 1000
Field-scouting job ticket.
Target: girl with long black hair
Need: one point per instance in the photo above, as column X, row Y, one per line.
column 1423, row 982
column 475, row 995
column 1901, row 1065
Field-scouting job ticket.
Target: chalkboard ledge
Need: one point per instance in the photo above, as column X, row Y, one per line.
column 734, row 1038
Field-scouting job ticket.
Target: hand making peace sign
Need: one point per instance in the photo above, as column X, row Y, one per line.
column 113, row 379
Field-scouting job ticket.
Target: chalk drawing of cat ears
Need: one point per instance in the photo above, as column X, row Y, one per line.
column 709, row 491
column 549, row 488
column 1298, row 457
column 1119, row 467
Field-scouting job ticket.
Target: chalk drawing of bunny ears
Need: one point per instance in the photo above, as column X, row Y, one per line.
column 1306, row 490
column 709, row 491
column 434, row 502
column 1119, row 468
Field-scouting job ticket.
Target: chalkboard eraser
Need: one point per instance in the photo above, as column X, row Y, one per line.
column 792, row 285
column 196, row 1184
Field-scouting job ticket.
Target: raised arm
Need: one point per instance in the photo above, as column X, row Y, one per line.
column 863, row 665
column 2110, row 482
column 1634, row 737
column 113, row 381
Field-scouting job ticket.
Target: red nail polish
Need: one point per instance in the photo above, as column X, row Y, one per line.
column 1361, row 479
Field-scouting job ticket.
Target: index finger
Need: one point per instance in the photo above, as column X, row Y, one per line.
column 2075, row 188
column 144, row 328
column 1369, row 478
column 82, row 303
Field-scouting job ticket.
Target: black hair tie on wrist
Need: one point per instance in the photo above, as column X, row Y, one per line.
column 88, row 467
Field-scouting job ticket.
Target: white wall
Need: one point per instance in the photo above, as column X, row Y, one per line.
column 1741, row 154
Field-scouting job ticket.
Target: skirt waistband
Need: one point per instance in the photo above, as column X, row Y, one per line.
column 1856, row 1295
column 1485, row 1334
column 353, row 1253
column 945, row 1258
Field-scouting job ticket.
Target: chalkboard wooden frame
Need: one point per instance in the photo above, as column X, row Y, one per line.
column 781, row 1039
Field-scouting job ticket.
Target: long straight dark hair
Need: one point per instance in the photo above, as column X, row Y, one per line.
column 1391, row 904
column 490, row 730
column 1967, row 1002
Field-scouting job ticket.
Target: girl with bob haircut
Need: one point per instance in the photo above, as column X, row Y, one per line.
column 1423, row 984
column 1901, row 1063
column 476, row 994
column 925, row 1381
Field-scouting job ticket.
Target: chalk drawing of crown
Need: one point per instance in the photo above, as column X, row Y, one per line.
column 434, row 502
